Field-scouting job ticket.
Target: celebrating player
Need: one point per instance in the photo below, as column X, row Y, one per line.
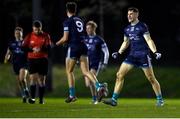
column 37, row 43
column 138, row 37
column 96, row 46
column 19, row 61
column 77, row 50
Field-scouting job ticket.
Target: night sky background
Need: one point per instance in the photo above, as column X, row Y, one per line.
column 162, row 18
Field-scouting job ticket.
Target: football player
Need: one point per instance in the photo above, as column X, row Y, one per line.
column 98, row 55
column 77, row 51
column 137, row 36
column 19, row 61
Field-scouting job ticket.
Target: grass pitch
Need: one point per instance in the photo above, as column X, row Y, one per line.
column 57, row 108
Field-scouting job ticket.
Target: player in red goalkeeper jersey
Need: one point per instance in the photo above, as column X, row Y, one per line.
column 37, row 44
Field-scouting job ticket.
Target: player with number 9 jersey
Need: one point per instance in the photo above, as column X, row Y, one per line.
column 77, row 51
column 75, row 27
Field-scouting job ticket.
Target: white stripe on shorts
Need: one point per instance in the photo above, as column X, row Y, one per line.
column 68, row 52
column 149, row 61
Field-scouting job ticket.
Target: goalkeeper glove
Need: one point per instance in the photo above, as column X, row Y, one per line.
column 157, row 55
column 115, row 55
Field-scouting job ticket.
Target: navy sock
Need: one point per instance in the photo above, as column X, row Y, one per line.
column 41, row 93
column 22, row 93
column 33, row 91
column 94, row 98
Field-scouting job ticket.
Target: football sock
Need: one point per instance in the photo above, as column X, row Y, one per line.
column 115, row 96
column 72, row 91
column 33, row 91
column 159, row 97
column 22, row 93
column 94, row 98
column 97, row 84
column 41, row 92
column 26, row 89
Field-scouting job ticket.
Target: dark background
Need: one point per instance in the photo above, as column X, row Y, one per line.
column 162, row 18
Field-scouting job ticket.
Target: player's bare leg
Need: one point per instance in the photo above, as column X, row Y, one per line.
column 155, row 85
column 123, row 70
column 92, row 88
column 23, row 84
column 70, row 64
column 85, row 69
column 101, row 88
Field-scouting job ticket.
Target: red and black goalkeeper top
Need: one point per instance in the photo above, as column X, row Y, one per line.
column 41, row 41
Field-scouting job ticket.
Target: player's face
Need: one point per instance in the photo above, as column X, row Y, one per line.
column 132, row 16
column 18, row 34
column 89, row 30
column 37, row 30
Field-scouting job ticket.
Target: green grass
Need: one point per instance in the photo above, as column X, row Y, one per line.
column 57, row 108
column 136, row 85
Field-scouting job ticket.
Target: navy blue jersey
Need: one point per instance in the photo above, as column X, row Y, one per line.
column 138, row 45
column 75, row 26
column 96, row 48
column 18, row 55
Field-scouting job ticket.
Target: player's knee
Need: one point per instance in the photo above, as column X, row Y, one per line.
column 41, row 83
column 32, row 77
column 151, row 79
column 69, row 71
column 85, row 72
column 87, row 82
column 119, row 76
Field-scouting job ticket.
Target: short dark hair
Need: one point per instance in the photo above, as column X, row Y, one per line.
column 134, row 9
column 71, row 7
column 37, row 23
column 18, row 29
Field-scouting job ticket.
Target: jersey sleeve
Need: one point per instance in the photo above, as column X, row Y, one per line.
column 66, row 26
column 125, row 32
column 48, row 40
column 47, row 43
column 105, row 51
column 25, row 44
column 26, row 40
column 145, row 29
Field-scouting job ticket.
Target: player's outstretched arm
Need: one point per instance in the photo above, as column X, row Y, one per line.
column 7, row 56
column 150, row 43
column 105, row 51
column 64, row 39
column 123, row 47
column 152, row 46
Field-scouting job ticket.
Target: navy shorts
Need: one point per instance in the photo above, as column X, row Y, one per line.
column 94, row 65
column 39, row 66
column 143, row 61
column 75, row 52
column 18, row 66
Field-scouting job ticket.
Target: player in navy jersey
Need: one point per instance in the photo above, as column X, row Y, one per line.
column 74, row 37
column 19, row 61
column 137, row 36
column 98, row 55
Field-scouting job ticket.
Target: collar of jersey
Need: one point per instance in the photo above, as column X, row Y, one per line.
column 91, row 36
